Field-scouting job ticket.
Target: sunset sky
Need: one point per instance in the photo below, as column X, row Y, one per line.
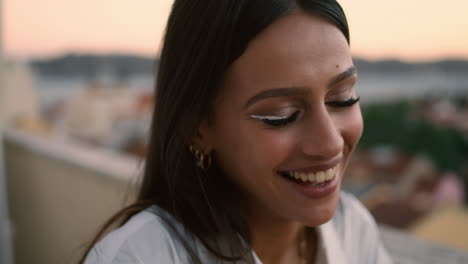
column 404, row 29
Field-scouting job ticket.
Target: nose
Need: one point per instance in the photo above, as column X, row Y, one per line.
column 321, row 137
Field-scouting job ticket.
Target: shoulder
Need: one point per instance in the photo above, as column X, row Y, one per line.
column 358, row 231
column 145, row 237
column 353, row 212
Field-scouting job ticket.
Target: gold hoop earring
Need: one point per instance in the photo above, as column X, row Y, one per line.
column 203, row 160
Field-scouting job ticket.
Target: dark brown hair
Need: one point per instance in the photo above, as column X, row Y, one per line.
column 202, row 39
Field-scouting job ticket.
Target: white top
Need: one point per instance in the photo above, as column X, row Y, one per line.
column 350, row 237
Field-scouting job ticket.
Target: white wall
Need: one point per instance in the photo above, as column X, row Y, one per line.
column 60, row 194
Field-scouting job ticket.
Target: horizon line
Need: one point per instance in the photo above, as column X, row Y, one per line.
column 51, row 55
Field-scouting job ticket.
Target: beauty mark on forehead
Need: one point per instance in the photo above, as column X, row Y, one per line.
column 344, row 75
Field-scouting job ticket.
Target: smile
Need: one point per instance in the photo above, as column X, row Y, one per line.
column 318, row 177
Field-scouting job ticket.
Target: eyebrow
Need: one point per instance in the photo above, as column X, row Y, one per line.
column 277, row 92
column 291, row 91
column 343, row 76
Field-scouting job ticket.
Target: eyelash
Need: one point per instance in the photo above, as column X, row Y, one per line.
column 346, row 103
column 289, row 119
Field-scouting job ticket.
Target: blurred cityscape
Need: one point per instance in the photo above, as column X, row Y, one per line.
column 410, row 169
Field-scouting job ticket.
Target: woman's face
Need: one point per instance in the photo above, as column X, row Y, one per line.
column 285, row 121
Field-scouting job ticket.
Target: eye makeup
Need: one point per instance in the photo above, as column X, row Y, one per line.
column 281, row 120
column 277, row 120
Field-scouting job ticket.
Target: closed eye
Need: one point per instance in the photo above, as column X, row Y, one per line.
column 277, row 121
column 345, row 103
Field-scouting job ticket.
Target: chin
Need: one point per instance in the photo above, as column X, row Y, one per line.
column 321, row 213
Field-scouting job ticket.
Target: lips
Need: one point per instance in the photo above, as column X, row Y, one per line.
column 313, row 182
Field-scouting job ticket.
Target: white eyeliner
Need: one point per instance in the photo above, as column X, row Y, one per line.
column 268, row 117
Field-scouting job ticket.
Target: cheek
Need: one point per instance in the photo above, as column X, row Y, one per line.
column 270, row 148
column 350, row 125
column 251, row 151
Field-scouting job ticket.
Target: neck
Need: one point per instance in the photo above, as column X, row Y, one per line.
column 275, row 239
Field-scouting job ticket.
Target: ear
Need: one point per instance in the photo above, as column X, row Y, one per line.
column 203, row 140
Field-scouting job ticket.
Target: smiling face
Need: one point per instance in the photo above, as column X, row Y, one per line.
column 286, row 122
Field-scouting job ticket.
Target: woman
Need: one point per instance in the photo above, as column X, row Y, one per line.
column 255, row 121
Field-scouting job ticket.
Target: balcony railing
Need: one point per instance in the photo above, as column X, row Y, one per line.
column 406, row 249
column 59, row 193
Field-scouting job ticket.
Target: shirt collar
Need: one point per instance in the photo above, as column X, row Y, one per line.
column 331, row 244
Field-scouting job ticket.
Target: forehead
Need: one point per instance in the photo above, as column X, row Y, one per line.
column 296, row 50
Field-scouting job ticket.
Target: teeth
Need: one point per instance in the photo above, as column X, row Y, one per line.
column 320, row 176
column 293, row 174
column 297, row 176
column 317, row 177
column 329, row 174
